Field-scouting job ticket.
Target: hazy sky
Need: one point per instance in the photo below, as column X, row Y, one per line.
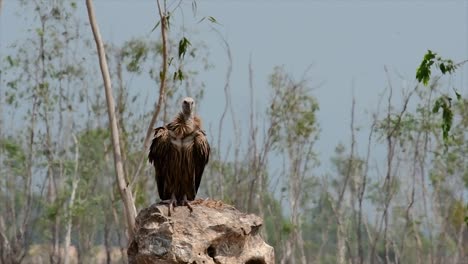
column 345, row 42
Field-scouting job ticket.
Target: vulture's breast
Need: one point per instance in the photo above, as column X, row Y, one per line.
column 182, row 142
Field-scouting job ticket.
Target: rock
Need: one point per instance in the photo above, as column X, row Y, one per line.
column 214, row 233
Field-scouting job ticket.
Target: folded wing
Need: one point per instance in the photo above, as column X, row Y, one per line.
column 201, row 155
column 157, row 155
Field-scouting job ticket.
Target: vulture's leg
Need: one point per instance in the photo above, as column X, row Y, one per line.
column 186, row 203
column 171, row 203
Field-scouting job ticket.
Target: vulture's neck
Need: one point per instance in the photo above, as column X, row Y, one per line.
column 186, row 117
column 186, row 124
column 183, row 126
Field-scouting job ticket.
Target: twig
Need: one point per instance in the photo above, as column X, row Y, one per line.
column 162, row 93
column 227, row 105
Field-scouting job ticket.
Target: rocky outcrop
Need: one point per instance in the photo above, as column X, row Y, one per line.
column 213, row 233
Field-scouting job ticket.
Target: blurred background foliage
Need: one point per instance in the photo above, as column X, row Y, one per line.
column 409, row 207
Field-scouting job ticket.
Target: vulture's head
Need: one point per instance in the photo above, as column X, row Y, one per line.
column 187, row 106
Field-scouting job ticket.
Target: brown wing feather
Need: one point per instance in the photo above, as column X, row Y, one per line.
column 201, row 155
column 197, row 122
column 157, row 155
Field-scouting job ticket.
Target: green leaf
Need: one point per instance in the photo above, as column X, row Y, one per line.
column 136, row 52
column 212, row 19
column 56, row 13
column 39, row 32
column 180, row 75
column 436, row 106
column 10, row 61
column 201, row 20
column 168, row 23
column 10, row 98
column 13, row 150
column 458, row 95
column 429, row 55
column 184, row 43
column 423, row 72
column 442, row 68
column 444, row 102
column 13, row 84
column 43, row 86
column 156, row 26
column 161, row 75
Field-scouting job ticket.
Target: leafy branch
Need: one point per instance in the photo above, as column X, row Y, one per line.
column 445, row 103
column 423, row 74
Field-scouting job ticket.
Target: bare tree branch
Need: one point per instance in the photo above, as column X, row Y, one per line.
column 362, row 190
column 227, row 106
column 341, row 229
column 392, row 128
column 125, row 192
column 162, row 92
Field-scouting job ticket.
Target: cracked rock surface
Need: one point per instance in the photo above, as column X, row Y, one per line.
column 214, row 233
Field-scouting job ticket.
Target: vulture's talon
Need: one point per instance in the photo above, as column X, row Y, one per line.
column 171, row 204
column 187, row 203
column 170, row 208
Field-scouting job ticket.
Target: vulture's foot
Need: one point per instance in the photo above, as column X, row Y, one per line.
column 187, row 203
column 171, row 204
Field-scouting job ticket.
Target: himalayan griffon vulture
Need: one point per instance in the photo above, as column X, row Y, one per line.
column 179, row 152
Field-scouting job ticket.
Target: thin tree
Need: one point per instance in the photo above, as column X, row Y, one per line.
column 339, row 209
column 125, row 192
column 75, row 182
column 163, row 16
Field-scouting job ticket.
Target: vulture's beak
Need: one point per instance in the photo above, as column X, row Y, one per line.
column 187, row 106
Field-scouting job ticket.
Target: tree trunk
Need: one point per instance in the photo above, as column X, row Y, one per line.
column 107, row 244
column 70, row 205
column 340, row 238
column 125, row 192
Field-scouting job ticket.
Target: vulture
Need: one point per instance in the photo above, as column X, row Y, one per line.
column 179, row 152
